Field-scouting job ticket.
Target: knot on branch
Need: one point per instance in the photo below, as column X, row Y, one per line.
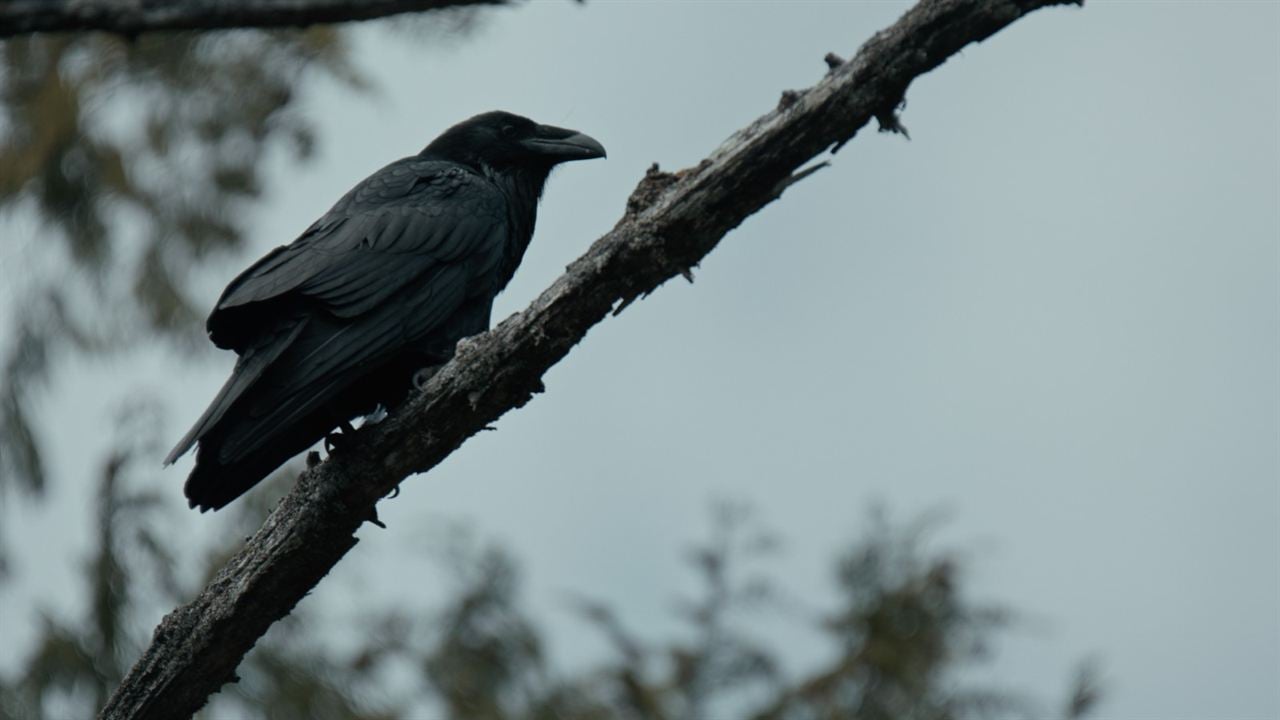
column 649, row 189
column 890, row 123
column 889, row 120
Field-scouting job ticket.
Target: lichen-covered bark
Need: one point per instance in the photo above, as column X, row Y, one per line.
column 131, row 17
column 672, row 221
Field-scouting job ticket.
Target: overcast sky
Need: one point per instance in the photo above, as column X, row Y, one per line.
column 1053, row 314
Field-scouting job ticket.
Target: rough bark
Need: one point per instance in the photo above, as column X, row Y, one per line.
column 132, row 17
column 671, row 221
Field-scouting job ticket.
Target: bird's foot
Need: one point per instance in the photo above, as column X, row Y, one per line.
column 340, row 437
column 424, row 375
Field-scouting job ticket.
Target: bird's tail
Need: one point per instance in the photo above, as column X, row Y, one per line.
column 212, row 484
column 249, row 368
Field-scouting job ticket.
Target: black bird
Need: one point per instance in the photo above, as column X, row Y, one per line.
column 337, row 322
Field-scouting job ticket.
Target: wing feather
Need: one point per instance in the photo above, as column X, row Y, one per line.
column 392, row 265
column 249, row 368
column 385, row 234
column 328, row 358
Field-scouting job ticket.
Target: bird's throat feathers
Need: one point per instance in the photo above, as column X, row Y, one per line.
column 523, row 188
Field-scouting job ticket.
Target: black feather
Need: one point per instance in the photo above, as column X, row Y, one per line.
column 402, row 267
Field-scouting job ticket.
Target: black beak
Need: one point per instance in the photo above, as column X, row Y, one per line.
column 563, row 145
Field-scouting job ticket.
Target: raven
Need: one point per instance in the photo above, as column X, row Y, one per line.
column 387, row 282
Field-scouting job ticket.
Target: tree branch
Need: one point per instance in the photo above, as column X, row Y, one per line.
column 131, row 17
column 671, row 222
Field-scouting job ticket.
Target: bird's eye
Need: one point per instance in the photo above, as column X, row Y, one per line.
column 508, row 130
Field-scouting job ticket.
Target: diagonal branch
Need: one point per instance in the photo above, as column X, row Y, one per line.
column 671, row 222
column 131, row 17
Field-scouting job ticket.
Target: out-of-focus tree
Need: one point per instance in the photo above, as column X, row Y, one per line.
column 134, row 161
column 128, row 167
column 902, row 625
column 901, row 630
column 76, row 663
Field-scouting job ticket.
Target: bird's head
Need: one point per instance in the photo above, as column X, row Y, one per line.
column 502, row 140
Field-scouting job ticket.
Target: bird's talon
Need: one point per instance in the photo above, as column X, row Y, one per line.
column 342, row 436
column 333, row 441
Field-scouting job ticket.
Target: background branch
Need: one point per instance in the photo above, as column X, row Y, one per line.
column 672, row 220
column 20, row 17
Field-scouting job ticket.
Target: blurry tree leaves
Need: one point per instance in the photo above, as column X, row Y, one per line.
column 78, row 664
column 138, row 159
column 901, row 624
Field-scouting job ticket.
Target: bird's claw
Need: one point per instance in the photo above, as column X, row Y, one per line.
column 333, row 441
column 339, row 437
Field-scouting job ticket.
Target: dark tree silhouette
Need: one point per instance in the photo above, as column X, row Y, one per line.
column 19, row 17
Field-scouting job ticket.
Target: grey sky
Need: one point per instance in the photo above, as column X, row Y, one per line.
column 1053, row 313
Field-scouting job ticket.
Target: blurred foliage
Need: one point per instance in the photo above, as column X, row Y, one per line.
column 78, row 664
column 902, row 629
column 137, row 159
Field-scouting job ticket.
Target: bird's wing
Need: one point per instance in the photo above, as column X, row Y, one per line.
column 394, row 259
column 392, row 228
column 249, row 368
column 327, row 357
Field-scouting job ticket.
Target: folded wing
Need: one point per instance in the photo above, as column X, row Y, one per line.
column 392, row 266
